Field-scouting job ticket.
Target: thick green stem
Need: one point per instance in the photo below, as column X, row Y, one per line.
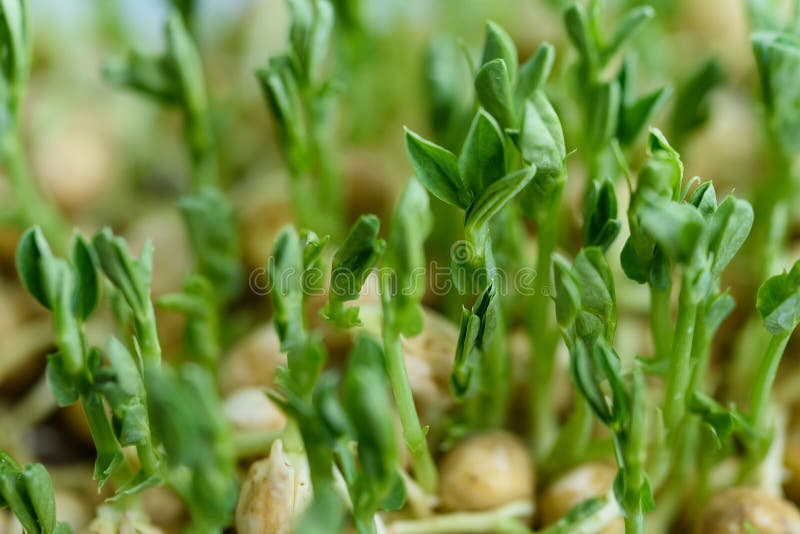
column 544, row 340
column 680, row 367
column 765, row 378
column 413, row 434
column 147, row 337
column 635, row 451
column 661, row 322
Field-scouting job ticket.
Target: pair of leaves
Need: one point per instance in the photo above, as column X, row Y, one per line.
column 28, row 492
column 596, row 51
column 310, row 35
column 411, row 224
column 176, row 77
column 476, row 329
column 585, row 296
column 660, row 178
column 602, row 225
column 282, row 92
column 500, row 86
column 479, row 190
column 36, row 268
column 351, row 265
column 71, row 291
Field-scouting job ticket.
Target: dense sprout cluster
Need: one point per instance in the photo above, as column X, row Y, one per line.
column 529, row 317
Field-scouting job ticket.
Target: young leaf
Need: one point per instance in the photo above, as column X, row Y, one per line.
column 15, row 34
column 605, row 114
column 477, row 327
column 284, row 270
column 691, row 105
column 704, row 198
column 533, row 73
column 482, row 161
column 437, row 169
column 131, row 276
column 540, row 139
column 598, row 309
column 729, row 228
column 87, row 288
column 499, row 45
column 282, row 93
column 584, row 374
column 493, row 88
column 568, row 297
column 602, row 225
column 637, row 115
column 778, row 301
column 186, row 62
column 676, row 227
column 61, row 382
column 629, row 26
column 717, row 311
column 39, row 488
column 32, row 251
column 577, row 25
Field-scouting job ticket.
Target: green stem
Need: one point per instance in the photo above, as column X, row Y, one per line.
column 413, row 434
column 572, row 445
column 499, row 521
column 635, row 451
column 544, row 339
column 765, row 378
column 661, row 322
column 32, row 208
column 103, row 435
column 254, row 443
column 202, row 149
column 147, row 337
column 680, row 361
